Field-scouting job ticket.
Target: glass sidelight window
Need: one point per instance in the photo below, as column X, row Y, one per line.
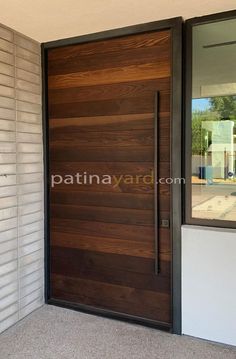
column 211, row 128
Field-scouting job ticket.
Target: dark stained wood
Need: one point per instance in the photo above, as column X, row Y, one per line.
column 147, row 71
column 98, row 243
column 120, row 154
column 119, row 231
column 91, row 259
column 110, row 91
column 122, row 187
column 101, row 122
column 142, row 303
column 110, row 168
column 143, row 172
column 104, row 123
column 110, row 47
column 127, row 200
column 138, row 56
column 112, row 107
column 117, row 274
column 103, row 214
column 104, row 138
column 84, row 198
column 104, row 245
column 72, row 152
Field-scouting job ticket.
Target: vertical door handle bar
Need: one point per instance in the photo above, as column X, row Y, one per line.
column 156, row 186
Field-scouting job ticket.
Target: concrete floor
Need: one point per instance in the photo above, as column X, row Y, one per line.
column 53, row 332
column 219, row 197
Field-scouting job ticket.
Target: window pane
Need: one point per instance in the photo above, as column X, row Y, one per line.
column 214, row 121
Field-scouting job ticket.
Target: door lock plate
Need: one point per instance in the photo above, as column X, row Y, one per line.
column 165, row 223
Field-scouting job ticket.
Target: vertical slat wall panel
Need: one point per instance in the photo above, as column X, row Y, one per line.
column 21, row 186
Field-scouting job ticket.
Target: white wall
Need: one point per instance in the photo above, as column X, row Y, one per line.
column 21, row 178
column 209, row 283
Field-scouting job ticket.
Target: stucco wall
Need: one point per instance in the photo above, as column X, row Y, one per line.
column 52, row 20
column 209, row 283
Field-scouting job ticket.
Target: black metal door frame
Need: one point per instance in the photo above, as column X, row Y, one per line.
column 208, row 19
column 175, row 25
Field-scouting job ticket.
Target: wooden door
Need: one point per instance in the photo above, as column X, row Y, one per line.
column 101, row 100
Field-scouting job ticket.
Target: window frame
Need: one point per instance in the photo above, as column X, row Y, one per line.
column 189, row 24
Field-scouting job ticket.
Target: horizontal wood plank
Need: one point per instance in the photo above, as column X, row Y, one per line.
column 107, row 230
column 124, row 106
column 109, row 91
column 145, row 40
column 111, row 123
column 103, row 244
column 117, row 275
column 77, row 153
column 103, row 138
column 103, row 214
column 129, row 300
column 137, row 56
column 102, row 199
column 147, row 71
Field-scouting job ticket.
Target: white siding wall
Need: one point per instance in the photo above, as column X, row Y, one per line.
column 21, row 178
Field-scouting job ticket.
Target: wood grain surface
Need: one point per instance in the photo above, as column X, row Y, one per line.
column 101, row 121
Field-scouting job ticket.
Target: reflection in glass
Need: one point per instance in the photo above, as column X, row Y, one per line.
column 214, row 121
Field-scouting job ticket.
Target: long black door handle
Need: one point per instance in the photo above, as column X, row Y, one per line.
column 156, row 186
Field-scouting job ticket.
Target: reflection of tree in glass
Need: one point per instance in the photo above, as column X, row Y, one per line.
column 225, row 106
column 221, row 108
column 199, row 142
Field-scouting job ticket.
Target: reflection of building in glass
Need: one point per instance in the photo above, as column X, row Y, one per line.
column 221, row 147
